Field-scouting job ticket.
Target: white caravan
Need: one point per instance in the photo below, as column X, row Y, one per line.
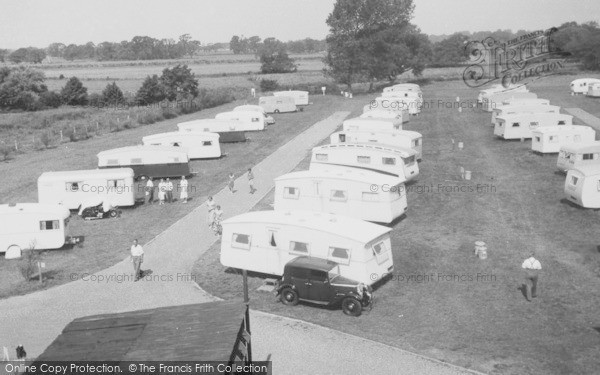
column 278, row 104
column 581, row 85
column 264, row 241
column 147, row 161
column 380, row 114
column 577, row 155
column 403, row 139
column 383, row 104
column 371, row 124
column 250, row 107
column 390, row 160
column 73, row 188
column 582, row 186
column 549, row 139
column 520, row 125
column 342, row 191
column 412, row 104
column 413, row 87
column 496, row 100
column 199, row 145
column 522, row 107
column 39, row 226
column 300, row 97
column 253, row 120
column 594, row 90
column 403, row 95
column 498, row 88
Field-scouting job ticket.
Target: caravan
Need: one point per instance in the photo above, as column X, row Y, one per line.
column 395, row 161
column 520, row 125
column 300, row 97
column 383, row 104
column 498, row 88
column 264, row 241
column 278, row 104
column 229, row 130
column 249, row 107
column 342, row 191
column 412, row 104
column 577, row 155
column 496, row 100
column 522, row 108
column 74, row 188
column 147, row 161
column 199, row 145
column 371, row 124
column 412, row 87
column 404, row 139
column 550, row 139
column 32, row 226
column 581, row 85
column 582, row 186
column 594, row 90
column 380, row 114
column 252, row 120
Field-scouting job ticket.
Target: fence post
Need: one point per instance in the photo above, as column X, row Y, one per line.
column 16, row 146
column 61, row 136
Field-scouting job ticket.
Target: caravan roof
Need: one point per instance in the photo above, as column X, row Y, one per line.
column 35, row 208
column 343, row 226
column 403, row 152
column 589, row 170
column 582, row 148
column 346, row 174
column 199, row 134
column 562, row 129
column 114, row 173
column 379, row 114
column 154, row 152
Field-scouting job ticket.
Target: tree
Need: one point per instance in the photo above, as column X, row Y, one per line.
column 581, row 41
column 179, row 83
column 74, row 93
column 56, row 50
column 3, row 54
column 188, row 46
column 274, row 58
column 18, row 56
column 253, row 44
column 236, row 45
column 450, row 51
column 152, row 91
column 373, row 39
column 112, row 94
column 20, row 88
column 35, row 55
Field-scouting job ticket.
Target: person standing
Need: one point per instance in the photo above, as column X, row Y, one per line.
column 150, row 190
column 169, row 187
column 161, row 192
column 231, row 182
column 251, row 181
column 217, row 218
column 210, row 204
column 183, row 186
column 137, row 258
column 532, row 269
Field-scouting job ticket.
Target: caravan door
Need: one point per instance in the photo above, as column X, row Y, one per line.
column 274, row 260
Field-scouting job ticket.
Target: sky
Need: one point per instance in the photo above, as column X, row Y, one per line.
column 38, row 23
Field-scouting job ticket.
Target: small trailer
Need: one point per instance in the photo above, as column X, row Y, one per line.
column 496, row 100
column 581, row 85
column 26, row 226
column 342, row 191
column 577, row 155
column 521, row 125
column 252, row 120
column 147, row 161
column 582, row 186
column 498, row 88
column 300, row 97
column 413, row 87
column 522, row 107
column 402, row 139
column 396, row 161
column 230, row 131
column 199, row 145
column 278, row 104
column 549, row 139
column 72, row 188
column 250, row 107
column 371, row 124
column 264, row 241
column 594, row 90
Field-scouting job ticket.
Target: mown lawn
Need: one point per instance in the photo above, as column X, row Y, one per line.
column 443, row 301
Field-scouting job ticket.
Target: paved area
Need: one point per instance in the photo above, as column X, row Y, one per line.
column 34, row 320
column 586, row 117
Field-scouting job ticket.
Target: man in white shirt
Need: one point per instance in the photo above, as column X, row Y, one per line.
column 137, row 258
column 532, row 269
column 169, row 186
column 150, row 190
column 183, row 185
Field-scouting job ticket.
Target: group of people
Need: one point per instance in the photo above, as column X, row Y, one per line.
column 165, row 190
column 249, row 175
column 215, row 215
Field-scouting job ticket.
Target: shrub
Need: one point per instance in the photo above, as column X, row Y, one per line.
column 62, row 76
column 74, row 93
column 112, row 95
column 213, row 98
column 50, row 99
column 168, row 113
column 5, row 151
column 45, row 139
column 128, row 124
column 28, row 263
column 95, row 100
column 268, row 85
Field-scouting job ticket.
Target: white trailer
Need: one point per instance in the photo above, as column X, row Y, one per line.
column 342, row 191
column 403, row 95
column 498, row 88
column 385, row 105
column 594, row 90
column 250, row 107
column 549, row 139
column 252, row 120
column 264, row 241
column 575, row 155
column 523, row 107
column 36, row 226
column 402, row 139
column 278, row 104
column 300, row 97
column 582, row 186
column 496, row 100
column 412, row 104
column 147, row 161
column 581, row 85
column 73, row 188
column 396, row 161
column 403, row 87
column 380, row 114
column 199, row 145
column 371, row 124
column 230, row 131
column 521, row 125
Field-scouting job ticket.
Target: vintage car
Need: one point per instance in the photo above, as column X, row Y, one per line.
column 317, row 281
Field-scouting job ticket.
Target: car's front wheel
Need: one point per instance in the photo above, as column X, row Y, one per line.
column 289, row 296
column 351, row 306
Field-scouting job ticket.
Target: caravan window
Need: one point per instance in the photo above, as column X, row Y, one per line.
column 175, row 160
column 409, row 160
column 561, row 122
column 553, row 139
column 299, row 247
column 272, row 240
column 368, row 196
column 115, row 183
column 206, row 143
column 112, row 162
column 416, row 142
column 240, row 241
column 73, row 186
column 49, row 225
column 537, row 139
column 388, row 161
column 338, row 195
column 291, row 192
column 339, row 255
column 321, row 157
column 574, row 180
column 363, row 159
column 136, row 161
column 588, row 156
column 515, row 125
column 380, row 252
column 255, row 119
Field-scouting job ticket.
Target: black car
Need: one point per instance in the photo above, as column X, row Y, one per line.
column 315, row 280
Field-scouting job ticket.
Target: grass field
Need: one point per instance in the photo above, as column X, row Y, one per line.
column 106, row 241
column 456, row 307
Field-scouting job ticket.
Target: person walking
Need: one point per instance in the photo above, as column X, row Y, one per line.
column 162, row 193
column 183, row 186
column 137, row 258
column 230, row 184
column 217, row 218
column 251, row 181
column 169, row 187
column 210, row 204
column 532, row 269
column 150, row 190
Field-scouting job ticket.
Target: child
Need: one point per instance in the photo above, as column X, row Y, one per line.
column 210, row 204
column 251, row 181
column 231, row 182
column 217, row 218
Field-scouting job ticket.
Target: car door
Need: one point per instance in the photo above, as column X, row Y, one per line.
column 318, row 288
column 300, row 278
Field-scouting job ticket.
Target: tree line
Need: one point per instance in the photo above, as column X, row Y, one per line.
column 241, row 45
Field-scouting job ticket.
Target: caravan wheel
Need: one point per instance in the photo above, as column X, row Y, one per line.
column 113, row 213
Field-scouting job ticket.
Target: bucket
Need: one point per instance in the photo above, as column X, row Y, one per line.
column 467, row 175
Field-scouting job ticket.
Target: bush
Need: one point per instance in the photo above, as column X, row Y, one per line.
column 5, row 151
column 28, row 263
column 95, row 100
column 168, row 113
column 62, row 76
column 112, row 95
column 128, row 124
column 45, row 139
column 74, row 93
column 268, row 85
column 213, row 98
column 50, row 99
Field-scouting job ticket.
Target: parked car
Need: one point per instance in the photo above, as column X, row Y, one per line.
column 315, row 280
